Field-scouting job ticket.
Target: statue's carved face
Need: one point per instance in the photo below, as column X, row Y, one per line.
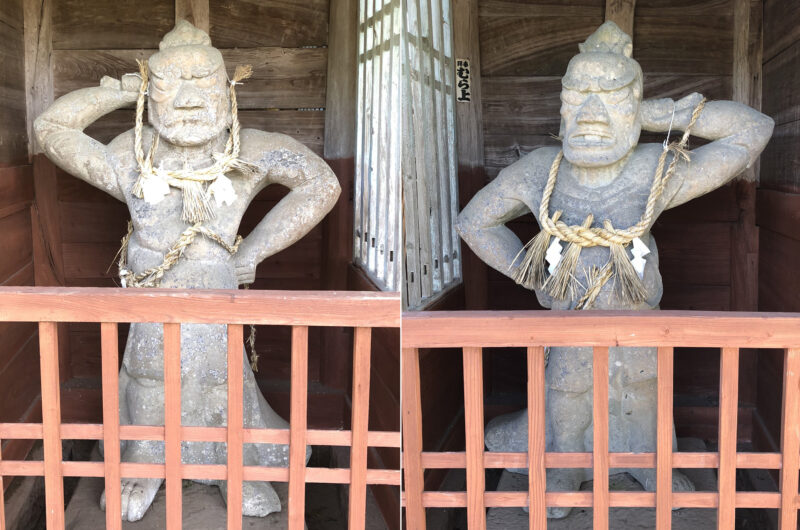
column 188, row 91
column 599, row 121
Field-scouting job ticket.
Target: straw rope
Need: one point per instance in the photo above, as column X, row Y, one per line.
column 531, row 271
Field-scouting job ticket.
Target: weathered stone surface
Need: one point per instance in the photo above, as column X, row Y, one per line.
column 191, row 122
column 604, row 180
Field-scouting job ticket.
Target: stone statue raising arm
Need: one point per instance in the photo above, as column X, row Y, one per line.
column 314, row 190
column 59, row 130
column 738, row 133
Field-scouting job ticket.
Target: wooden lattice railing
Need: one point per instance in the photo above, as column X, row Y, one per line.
column 666, row 330
column 48, row 306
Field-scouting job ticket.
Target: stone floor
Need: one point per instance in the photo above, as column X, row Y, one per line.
column 204, row 507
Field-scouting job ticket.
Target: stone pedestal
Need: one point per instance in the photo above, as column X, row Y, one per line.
column 619, row 518
column 203, row 509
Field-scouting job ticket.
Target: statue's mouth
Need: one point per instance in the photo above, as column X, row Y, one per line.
column 591, row 139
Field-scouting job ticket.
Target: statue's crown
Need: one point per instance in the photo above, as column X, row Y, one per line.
column 608, row 38
column 184, row 34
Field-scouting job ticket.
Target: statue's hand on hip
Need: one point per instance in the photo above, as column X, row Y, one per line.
column 245, row 270
column 657, row 114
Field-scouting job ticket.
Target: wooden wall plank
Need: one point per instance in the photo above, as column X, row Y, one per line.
column 101, row 25
column 283, row 78
column 13, row 131
column 19, row 381
column 16, row 188
column 254, row 23
column 684, row 36
column 779, row 212
column 782, row 19
column 508, row 49
column 781, row 81
column 16, row 234
column 781, row 158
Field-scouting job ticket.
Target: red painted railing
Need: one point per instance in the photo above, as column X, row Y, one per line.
column 49, row 306
column 472, row 331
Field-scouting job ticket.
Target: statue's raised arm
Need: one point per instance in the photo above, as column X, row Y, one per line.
column 59, row 130
column 737, row 132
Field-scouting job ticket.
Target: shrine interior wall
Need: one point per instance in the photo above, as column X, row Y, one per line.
column 707, row 247
column 286, row 43
column 19, row 365
column 779, row 196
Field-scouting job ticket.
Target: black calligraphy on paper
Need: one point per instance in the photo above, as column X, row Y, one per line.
column 463, row 75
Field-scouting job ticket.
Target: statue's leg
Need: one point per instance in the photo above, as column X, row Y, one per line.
column 138, row 493
column 641, row 411
column 259, row 498
column 569, row 407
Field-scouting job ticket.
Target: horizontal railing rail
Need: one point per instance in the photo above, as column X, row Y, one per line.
column 472, row 331
column 109, row 307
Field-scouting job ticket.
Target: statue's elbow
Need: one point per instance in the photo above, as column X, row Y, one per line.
column 332, row 188
column 41, row 128
column 463, row 225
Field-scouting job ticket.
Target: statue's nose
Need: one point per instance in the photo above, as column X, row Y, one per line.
column 593, row 111
column 188, row 97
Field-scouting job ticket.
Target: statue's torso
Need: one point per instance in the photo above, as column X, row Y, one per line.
column 622, row 201
column 157, row 227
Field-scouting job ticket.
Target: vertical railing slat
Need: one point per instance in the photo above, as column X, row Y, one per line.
column 51, row 425
column 728, row 410
column 360, row 427
column 537, row 518
column 2, row 495
column 109, row 340
column 600, row 498
column 235, row 425
column 473, row 419
column 298, row 417
column 412, row 439
column 664, row 440
column 790, row 439
column 172, row 424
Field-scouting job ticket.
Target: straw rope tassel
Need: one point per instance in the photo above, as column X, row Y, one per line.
column 563, row 282
column 531, row 272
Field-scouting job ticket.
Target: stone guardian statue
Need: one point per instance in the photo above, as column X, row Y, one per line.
column 187, row 179
column 596, row 199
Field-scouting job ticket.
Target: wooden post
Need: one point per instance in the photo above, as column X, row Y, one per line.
column 469, row 140
column 664, row 440
column 172, row 424
column 412, row 439
column 51, row 425
column 790, row 440
column 339, row 152
column 298, row 419
column 600, row 496
column 195, row 11
column 473, row 420
column 728, row 409
column 536, row 439
column 109, row 341
column 38, row 70
column 359, row 429
column 235, row 425
column 746, row 88
column 621, row 13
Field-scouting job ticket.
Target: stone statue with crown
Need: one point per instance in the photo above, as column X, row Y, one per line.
column 187, row 179
column 596, row 198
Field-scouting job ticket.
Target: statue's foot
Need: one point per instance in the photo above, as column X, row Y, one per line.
column 562, row 480
column 647, row 478
column 137, row 496
column 259, row 499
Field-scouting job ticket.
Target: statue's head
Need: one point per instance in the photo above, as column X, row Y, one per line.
column 188, row 93
column 600, row 98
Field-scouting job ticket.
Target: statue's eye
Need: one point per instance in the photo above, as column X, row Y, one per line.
column 615, row 97
column 206, row 81
column 572, row 97
column 163, row 83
